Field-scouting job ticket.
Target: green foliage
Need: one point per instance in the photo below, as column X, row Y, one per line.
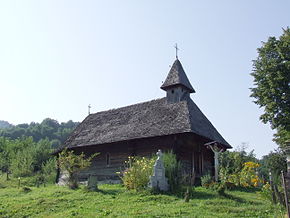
column 271, row 81
column 5, row 154
column 219, row 187
column 139, row 169
column 232, row 162
column 172, row 170
column 116, row 201
column 72, row 164
column 23, row 157
column 48, row 128
column 137, row 172
column 4, row 124
column 206, row 180
column 238, row 168
column 22, row 165
column 274, row 162
column 248, row 176
column 266, row 192
column 48, row 169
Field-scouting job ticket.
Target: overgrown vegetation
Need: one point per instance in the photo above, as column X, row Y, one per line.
column 139, row 169
column 137, row 172
column 72, row 164
column 26, row 158
column 172, row 171
column 25, row 149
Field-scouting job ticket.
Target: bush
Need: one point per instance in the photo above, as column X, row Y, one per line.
column 137, row 172
column 48, row 169
column 22, row 165
column 73, row 164
column 172, row 170
column 206, row 180
column 266, row 192
column 248, row 176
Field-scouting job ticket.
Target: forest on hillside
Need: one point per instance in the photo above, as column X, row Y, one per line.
column 49, row 129
column 26, row 149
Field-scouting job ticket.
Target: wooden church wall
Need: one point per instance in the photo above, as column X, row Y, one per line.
column 118, row 153
column 189, row 150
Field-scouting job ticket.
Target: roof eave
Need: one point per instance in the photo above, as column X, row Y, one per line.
column 166, row 87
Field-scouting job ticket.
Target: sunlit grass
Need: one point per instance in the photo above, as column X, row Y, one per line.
column 116, row 201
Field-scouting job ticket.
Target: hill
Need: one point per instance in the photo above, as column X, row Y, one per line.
column 4, row 124
column 49, row 128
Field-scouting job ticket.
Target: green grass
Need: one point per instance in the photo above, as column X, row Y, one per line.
column 115, row 201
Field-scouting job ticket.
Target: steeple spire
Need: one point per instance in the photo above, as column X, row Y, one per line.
column 177, row 84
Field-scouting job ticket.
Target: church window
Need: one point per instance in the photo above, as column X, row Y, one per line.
column 108, row 159
column 172, row 91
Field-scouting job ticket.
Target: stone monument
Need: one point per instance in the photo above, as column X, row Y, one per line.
column 158, row 180
column 93, row 183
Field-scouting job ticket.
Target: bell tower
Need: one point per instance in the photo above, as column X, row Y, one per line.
column 177, row 85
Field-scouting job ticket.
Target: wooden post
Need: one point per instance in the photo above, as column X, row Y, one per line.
column 286, row 178
column 285, row 194
column 272, row 188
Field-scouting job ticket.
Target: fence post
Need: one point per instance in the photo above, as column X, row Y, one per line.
column 286, row 178
column 286, row 194
column 272, row 188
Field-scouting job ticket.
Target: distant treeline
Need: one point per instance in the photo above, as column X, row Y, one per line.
column 48, row 129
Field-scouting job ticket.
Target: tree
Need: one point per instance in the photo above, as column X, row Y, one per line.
column 5, row 156
column 73, row 164
column 271, row 72
column 274, row 162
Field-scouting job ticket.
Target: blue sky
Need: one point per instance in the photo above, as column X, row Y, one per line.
column 56, row 57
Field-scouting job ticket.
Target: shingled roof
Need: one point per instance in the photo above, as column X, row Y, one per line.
column 177, row 76
column 148, row 119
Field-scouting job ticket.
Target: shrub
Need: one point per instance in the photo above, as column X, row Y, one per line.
column 206, row 180
column 22, row 164
column 248, row 176
column 73, row 164
column 48, row 169
column 172, row 170
column 137, row 172
column 266, row 191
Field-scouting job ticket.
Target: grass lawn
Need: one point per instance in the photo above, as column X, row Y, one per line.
column 115, row 201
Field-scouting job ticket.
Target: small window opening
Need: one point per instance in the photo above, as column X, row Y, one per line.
column 172, row 91
column 182, row 90
column 108, row 160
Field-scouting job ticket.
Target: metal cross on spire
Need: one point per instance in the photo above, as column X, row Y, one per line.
column 176, row 50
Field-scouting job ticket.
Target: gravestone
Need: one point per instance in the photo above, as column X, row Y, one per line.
column 158, row 180
column 93, row 183
column 63, row 178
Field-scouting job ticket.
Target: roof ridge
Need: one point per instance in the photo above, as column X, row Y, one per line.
column 131, row 105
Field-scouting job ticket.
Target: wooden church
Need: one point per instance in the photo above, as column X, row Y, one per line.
column 170, row 123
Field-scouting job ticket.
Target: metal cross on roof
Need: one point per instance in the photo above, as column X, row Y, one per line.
column 89, row 109
column 176, row 50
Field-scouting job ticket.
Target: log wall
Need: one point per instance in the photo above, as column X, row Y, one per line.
column 188, row 148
